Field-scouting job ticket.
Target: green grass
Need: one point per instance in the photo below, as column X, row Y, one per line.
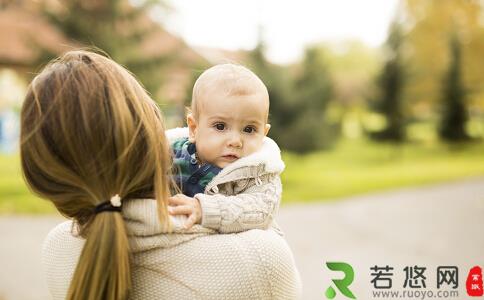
column 359, row 167
column 14, row 194
column 351, row 168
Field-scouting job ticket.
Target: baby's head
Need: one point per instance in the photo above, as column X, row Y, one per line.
column 229, row 111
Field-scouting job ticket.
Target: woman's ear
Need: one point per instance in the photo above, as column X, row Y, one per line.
column 266, row 129
column 192, row 127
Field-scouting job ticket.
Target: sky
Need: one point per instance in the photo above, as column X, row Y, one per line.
column 287, row 26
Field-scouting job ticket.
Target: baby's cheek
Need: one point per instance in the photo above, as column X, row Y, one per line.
column 254, row 146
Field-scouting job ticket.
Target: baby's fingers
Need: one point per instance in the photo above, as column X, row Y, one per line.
column 180, row 210
column 176, row 200
column 190, row 221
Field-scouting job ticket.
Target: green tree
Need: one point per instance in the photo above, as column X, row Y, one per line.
column 454, row 117
column 430, row 24
column 116, row 27
column 390, row 85
column 279, row 87
column 313, row 92
column 298, row 103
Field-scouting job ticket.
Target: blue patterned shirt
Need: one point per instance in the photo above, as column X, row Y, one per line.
column 190, row 176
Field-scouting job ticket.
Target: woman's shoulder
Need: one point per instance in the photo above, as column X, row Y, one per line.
column 250, row 264
column 269, row 259
column 254, row 264
column 271, row 247
column 275, row 254
column 60, row 253
column 62, row 234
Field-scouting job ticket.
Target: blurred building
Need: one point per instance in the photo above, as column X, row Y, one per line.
column 26, row 35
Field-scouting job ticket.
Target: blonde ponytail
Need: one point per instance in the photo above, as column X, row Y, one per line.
column 105, row 269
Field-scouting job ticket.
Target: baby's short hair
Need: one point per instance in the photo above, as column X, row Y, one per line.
column 231, row 79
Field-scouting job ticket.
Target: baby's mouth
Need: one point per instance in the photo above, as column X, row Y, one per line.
column 231, row 157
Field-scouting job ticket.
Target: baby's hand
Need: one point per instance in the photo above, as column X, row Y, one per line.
column 184, row 205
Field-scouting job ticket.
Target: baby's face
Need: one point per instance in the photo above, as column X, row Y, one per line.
column 229, row 127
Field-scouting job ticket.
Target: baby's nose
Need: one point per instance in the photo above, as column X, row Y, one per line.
column 235, row 140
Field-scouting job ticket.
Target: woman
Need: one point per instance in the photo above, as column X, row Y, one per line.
column 93, row 143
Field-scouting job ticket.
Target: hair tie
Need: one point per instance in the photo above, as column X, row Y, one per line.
column 114, row 204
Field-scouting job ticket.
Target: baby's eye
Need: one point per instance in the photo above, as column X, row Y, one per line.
column 249, row 129
column 219, row 126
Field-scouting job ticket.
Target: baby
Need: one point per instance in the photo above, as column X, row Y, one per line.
column 228, row 168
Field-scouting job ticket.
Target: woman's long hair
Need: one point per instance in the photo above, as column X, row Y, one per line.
column 89, row 131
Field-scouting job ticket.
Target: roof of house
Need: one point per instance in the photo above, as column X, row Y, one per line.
column 24, row 32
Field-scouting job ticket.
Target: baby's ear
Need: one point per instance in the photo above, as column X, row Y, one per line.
column 266, row 129
column 192, row 127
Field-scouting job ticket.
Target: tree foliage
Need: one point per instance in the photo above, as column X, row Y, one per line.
column 313, row 92
column 280, row 91
column 116, row 27
column 353, row 66
column 430, row 24
column 454, row 117
column 298, row 101
column 390, row 85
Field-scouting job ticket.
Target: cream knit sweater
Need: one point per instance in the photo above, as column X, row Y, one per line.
column 194, row 264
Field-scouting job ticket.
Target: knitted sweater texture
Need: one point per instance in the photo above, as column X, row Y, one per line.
column 244, row 195
column 193, row 264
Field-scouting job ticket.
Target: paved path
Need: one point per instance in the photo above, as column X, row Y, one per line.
column 432, row 226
